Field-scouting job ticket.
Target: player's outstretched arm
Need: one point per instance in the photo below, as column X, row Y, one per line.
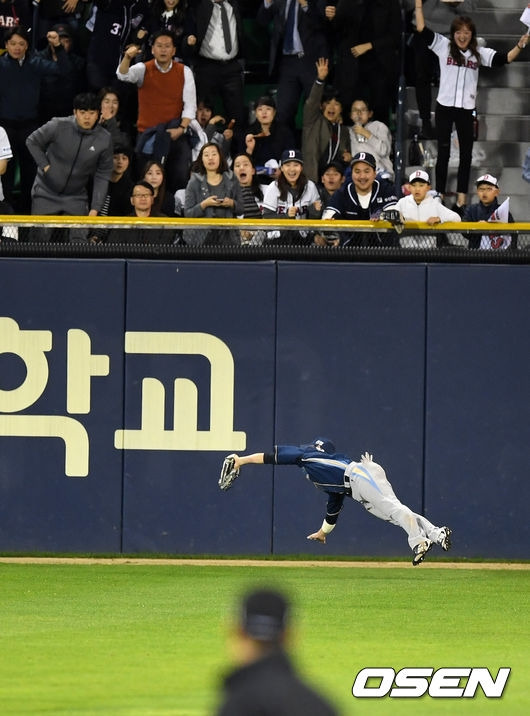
column 254, row 459
column 231, row 466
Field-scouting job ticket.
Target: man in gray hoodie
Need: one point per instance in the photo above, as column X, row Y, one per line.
column 69, row 153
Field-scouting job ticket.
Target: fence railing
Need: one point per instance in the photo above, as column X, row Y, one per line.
column 242, row 239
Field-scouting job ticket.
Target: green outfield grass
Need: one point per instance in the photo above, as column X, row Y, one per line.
column 127, row 639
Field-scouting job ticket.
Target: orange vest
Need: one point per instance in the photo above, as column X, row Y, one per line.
column 160, row 96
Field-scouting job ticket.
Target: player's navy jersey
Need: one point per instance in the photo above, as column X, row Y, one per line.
column 326, row 471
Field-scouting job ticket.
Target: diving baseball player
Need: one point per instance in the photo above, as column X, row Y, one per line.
column 339, row 476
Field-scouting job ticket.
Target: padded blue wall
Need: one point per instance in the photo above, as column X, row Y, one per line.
column 477, row 420
column 350, row 366
column 40, row 508
column 171, row 499
column 425, row 366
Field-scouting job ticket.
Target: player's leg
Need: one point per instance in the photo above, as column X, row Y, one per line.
column 370, row 487
column 439, row 535
column 402, row 514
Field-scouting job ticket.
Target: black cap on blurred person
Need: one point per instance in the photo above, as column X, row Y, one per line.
column 264, row 614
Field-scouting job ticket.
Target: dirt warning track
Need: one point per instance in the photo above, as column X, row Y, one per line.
column 168, row 562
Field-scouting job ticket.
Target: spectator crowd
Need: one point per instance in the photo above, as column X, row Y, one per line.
column 140, row 108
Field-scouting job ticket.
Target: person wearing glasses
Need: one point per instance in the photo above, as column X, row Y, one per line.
column 142, row 200
column 373, row 136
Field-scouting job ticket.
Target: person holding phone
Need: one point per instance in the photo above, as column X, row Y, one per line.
column 212, row 192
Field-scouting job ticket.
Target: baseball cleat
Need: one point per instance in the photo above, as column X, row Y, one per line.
column 420, row 550
column 445, row 539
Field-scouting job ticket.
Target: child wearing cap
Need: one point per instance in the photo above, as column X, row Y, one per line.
column 419, row 205
column 332, row 178
column 487, row 188
column 289, row 197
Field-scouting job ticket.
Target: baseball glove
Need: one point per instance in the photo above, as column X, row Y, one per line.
column 229, row 473
column 394, row 217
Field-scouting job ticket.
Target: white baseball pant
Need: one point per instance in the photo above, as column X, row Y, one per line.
column 370, row 487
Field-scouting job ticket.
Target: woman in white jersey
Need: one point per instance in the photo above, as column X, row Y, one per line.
column 289, row 197
column 460, row 59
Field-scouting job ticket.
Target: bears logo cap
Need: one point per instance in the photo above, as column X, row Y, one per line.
column 419, row 175
column 291, row 155
column 364, row 157
column 487, row 179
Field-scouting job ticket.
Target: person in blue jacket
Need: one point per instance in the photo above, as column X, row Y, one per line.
column 365, row 481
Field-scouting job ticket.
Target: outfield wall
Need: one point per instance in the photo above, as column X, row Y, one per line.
column 123, row 383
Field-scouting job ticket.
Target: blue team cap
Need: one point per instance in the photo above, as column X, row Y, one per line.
column 364, row 157
column 322, row 445
column 291, row 155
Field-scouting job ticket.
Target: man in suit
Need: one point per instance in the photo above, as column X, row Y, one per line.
column 216, row 38
column 298, row 40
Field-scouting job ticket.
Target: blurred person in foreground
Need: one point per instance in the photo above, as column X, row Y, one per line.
column 264, row 682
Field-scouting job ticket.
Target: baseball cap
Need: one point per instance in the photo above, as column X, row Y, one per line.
column 487, row 179
column 267, row 101
column 291, row 155
column 62, row 30
column 333, row 165
column 364, row 157
column 322, row 445
column 419, row 175
column 264, row 614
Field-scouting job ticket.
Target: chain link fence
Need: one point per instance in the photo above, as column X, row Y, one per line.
column 317, row 239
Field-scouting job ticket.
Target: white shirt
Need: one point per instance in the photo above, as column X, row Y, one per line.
column 5, row 153
column 425, row 209
column 421, row 212
column 213, row 46
column 272, row 201
column 136, row 73
column 298, row 48
column 458, row 83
